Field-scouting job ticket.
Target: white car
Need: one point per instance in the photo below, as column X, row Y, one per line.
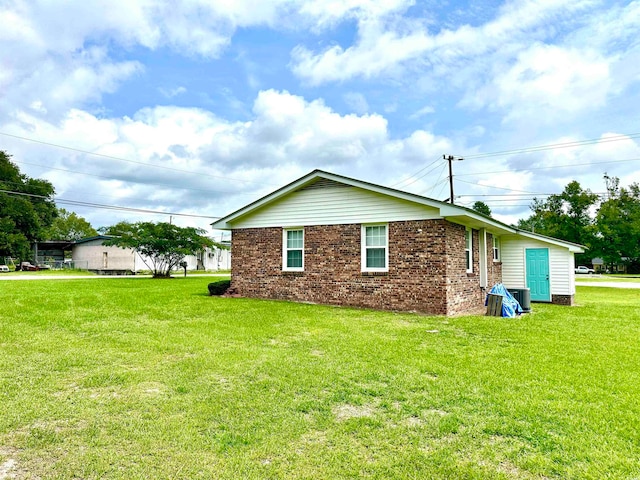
column 4, row 268
column 583, row 269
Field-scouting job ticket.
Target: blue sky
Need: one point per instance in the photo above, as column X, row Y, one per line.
column 200, row 107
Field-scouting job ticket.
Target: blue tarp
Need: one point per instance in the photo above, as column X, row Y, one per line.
column 510, row 306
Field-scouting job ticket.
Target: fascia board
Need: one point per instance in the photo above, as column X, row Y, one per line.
column 573, row 247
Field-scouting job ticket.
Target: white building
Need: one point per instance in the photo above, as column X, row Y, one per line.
column 91, row 254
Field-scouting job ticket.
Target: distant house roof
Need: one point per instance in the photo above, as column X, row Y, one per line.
column 449, row 211
column 54, row 244
column 91, row 239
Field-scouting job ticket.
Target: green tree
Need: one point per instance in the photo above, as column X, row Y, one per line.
column 566, row 216
column 162, row 246
column 482, row 208
column 617, row 239
column 26, row 209
column 69, row 226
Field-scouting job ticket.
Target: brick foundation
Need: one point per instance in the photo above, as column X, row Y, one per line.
column 427, row 268
column 563, row 300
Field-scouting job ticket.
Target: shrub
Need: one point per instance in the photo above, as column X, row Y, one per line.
column 219, row 287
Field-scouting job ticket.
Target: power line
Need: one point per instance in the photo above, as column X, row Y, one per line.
column 500, row 188
column 554, row 146
column 439, row 181
column 551, row 146
column 106, row 207
column 129, row 181
column 444, row 184
column 126, row 159
column 416, row 173
column 547, row 168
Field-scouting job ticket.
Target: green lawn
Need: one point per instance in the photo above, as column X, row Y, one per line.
column 608, row 278
column 65, row 271
column 153, row 379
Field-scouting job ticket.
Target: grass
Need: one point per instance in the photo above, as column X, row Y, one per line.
column 141, row 378
column 44, row 273
column 626, row 278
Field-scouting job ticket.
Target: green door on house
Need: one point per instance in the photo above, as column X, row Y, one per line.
column 537, row 264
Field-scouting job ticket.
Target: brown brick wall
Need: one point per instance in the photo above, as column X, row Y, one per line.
column 464, row 294
column 426, row 268
column 494, row 269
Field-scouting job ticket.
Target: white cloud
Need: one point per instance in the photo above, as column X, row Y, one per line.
column 327, row 13
column 196, row 154
column 58, row 45
column 426, row 110
column 385, row 45
column 172, row 92
column 547, row 81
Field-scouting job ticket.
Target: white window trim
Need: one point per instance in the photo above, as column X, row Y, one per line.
column 363, row 248
column 470, row 249
column 285, row 268
column 496, row 248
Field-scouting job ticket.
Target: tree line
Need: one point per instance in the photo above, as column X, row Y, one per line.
column 609, row 226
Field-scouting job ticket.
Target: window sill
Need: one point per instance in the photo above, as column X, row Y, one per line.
column 374, row 274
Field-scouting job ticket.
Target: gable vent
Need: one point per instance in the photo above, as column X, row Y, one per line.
column 325, row 183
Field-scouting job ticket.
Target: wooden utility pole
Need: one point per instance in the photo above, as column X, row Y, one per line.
column 450, row 159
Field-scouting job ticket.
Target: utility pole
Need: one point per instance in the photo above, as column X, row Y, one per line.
column 450, row 159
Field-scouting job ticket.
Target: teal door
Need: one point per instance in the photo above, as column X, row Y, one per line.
column 537, row 265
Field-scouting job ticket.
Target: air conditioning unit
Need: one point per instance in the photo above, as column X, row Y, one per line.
column 523, row 296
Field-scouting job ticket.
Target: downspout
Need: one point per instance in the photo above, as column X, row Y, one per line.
column 482, row 247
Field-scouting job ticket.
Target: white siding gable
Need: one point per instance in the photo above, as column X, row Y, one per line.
column 334, row 205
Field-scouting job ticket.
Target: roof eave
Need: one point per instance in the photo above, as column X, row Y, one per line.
column 451, row 212
column 573, row 247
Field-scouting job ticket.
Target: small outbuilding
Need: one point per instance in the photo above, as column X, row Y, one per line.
column 331, row 239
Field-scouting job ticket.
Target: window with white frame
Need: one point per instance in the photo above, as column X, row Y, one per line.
column 496, row 249
column 293, row 249
column 375, row 251
column 468, row 249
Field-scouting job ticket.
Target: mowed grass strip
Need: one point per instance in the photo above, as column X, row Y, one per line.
column 142, row 378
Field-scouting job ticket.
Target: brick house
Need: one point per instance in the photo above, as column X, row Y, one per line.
column 330, row 239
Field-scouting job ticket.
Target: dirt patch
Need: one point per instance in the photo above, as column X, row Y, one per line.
column 152, row 389
column 9, row 467
column 435, row 411
column 345, row 412
column 413, row 421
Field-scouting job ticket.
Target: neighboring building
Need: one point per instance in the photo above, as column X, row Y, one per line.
column 600, row 267
column 330, row 239
column 91, row 254
column 50, row 252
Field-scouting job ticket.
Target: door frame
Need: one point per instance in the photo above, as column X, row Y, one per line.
column 526, row 273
